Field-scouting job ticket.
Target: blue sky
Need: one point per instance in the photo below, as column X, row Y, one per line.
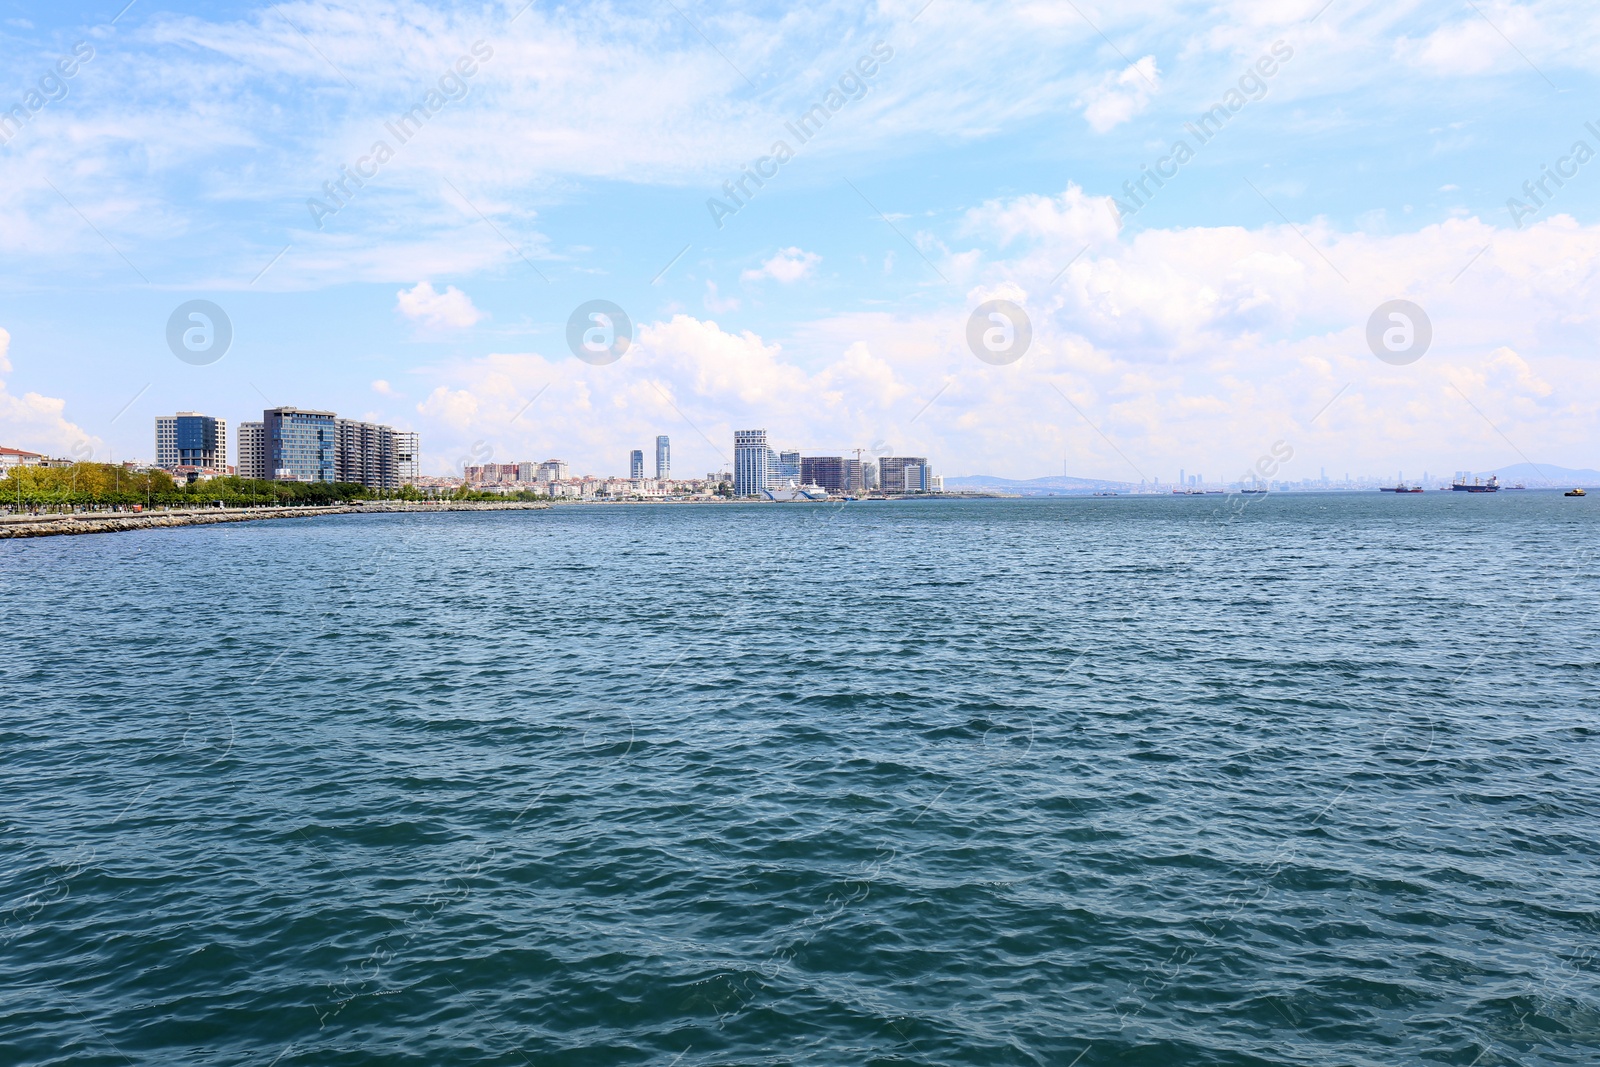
column 1375, row 162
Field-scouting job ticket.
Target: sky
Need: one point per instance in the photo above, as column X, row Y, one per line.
column 1314, row 163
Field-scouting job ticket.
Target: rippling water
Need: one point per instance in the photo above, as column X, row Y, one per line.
column 1131, row 781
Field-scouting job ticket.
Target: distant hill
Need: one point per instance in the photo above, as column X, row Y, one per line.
column 1057, row 486
column 1547, row 474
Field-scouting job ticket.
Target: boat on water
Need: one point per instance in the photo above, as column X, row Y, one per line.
column 1574, row 492
column 1401, row 488
column 1253, row 492
column 1477, row 485
column 791, row 493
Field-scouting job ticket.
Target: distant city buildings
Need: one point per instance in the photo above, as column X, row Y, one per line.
column 905, row 474
column 293, row 444
column 756, row 467
column 315, row 446
column 191, row 440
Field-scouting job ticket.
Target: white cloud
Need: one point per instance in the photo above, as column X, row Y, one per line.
column 788, row 266
column 383, row 388
column 449, row 309
column 36, row 423
column 1120, row 95
column 579, row 93
column 1197, row 348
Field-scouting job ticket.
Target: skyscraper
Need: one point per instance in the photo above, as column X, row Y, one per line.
column 636, row 465
column 190, row 439
column 749, row 462
column 663, row 458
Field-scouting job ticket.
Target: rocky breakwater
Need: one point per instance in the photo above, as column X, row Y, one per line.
column 121, row 521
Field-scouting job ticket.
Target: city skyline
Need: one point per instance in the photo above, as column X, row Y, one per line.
column 197, row 443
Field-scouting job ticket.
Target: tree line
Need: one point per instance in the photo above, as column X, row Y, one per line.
column 108, row 485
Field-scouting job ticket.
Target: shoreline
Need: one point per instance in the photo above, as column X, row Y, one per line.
column 17, row 526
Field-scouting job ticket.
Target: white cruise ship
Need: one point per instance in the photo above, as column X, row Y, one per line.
column 793, row 492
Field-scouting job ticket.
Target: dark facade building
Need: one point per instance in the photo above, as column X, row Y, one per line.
column 834, row 473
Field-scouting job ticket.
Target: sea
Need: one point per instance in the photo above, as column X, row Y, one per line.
column 1294, row 779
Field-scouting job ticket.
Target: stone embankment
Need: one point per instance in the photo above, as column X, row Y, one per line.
column 117, row 521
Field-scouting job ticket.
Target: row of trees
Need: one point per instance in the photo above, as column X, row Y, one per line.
column 106, row 485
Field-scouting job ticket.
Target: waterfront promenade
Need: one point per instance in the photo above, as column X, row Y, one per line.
column 47, row 525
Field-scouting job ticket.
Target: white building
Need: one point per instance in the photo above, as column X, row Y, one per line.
column 252, row 450
column 750, row 454
column 16, row 457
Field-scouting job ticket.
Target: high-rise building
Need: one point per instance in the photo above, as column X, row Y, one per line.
column 834, row 473
column 252, row 450
column 300, row 445
column 190, row 439
column 749, row 462
column 553, row 470
column 365, row 454
column 905, row 474
column 636, row 465
column 663, row 458
column 407, row 456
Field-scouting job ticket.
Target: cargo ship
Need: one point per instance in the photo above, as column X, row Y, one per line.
column 1477, row 485
column 1401, row 488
